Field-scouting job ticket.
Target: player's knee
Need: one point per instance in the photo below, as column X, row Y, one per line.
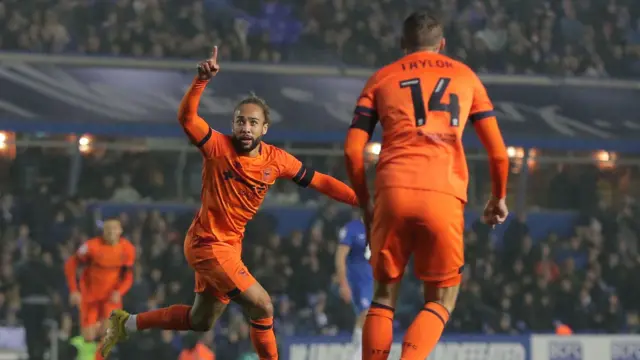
column 201, row 322
column 386, row 294
column 445, row 296
column 263, row 308
column 256, row 302
column 382, row 291
column 450, row 306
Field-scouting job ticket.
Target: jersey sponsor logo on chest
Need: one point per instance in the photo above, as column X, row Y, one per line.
column 259, row 189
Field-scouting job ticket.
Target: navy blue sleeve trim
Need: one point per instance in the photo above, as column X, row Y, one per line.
column 124, row 270
column 362, row 110
column 366, row 122
column 304, row 176
column 205, row 139
column 481, row 115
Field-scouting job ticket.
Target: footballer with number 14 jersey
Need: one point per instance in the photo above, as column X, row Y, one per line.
column 423, row 102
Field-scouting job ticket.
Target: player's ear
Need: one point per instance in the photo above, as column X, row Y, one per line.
column 265, row 128
column 443, row 42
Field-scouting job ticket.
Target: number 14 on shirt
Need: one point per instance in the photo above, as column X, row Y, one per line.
column 435, row 100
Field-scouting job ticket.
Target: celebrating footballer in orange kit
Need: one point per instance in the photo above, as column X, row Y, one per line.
column 107, row 275
column 423, row 101
column 237, row 173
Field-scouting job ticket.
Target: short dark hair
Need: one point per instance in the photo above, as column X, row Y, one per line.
column 421, row 30
column 256, row 100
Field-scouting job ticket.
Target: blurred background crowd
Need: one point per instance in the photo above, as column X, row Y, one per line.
column 565, row 37
column 515, row 283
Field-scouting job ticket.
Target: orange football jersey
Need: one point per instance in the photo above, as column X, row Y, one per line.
column 422, row 102
column 104, row 267
column 233, row 186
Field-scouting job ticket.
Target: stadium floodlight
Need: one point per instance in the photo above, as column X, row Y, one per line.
column 84, row 143
column 3, row 140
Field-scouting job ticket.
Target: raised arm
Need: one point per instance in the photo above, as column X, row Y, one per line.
column 293, row 169
column 196, row 128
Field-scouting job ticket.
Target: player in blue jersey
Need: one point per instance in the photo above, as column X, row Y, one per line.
column 355, row 276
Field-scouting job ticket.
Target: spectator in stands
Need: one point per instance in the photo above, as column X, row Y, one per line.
column 505, row 299
column 526, row 282
column 35, row 288
column 568, row 38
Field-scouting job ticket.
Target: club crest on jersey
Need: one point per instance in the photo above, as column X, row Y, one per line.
column 266, row 174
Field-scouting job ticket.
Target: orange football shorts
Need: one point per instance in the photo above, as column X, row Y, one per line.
column 219, row 268
column 95, row 312
column 426, row 224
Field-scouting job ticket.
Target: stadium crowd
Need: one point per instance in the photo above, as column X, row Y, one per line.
column 565, row 38
column 516, row 285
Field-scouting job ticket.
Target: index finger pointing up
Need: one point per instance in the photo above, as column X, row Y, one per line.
column 214, row 53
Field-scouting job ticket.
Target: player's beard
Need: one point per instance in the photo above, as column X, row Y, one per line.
column 241, row 148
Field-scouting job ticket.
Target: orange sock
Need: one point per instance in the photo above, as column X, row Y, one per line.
column 377, row 333
column 424, row 332
column 98, row 356
column 264, row 339
column 175, row 317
